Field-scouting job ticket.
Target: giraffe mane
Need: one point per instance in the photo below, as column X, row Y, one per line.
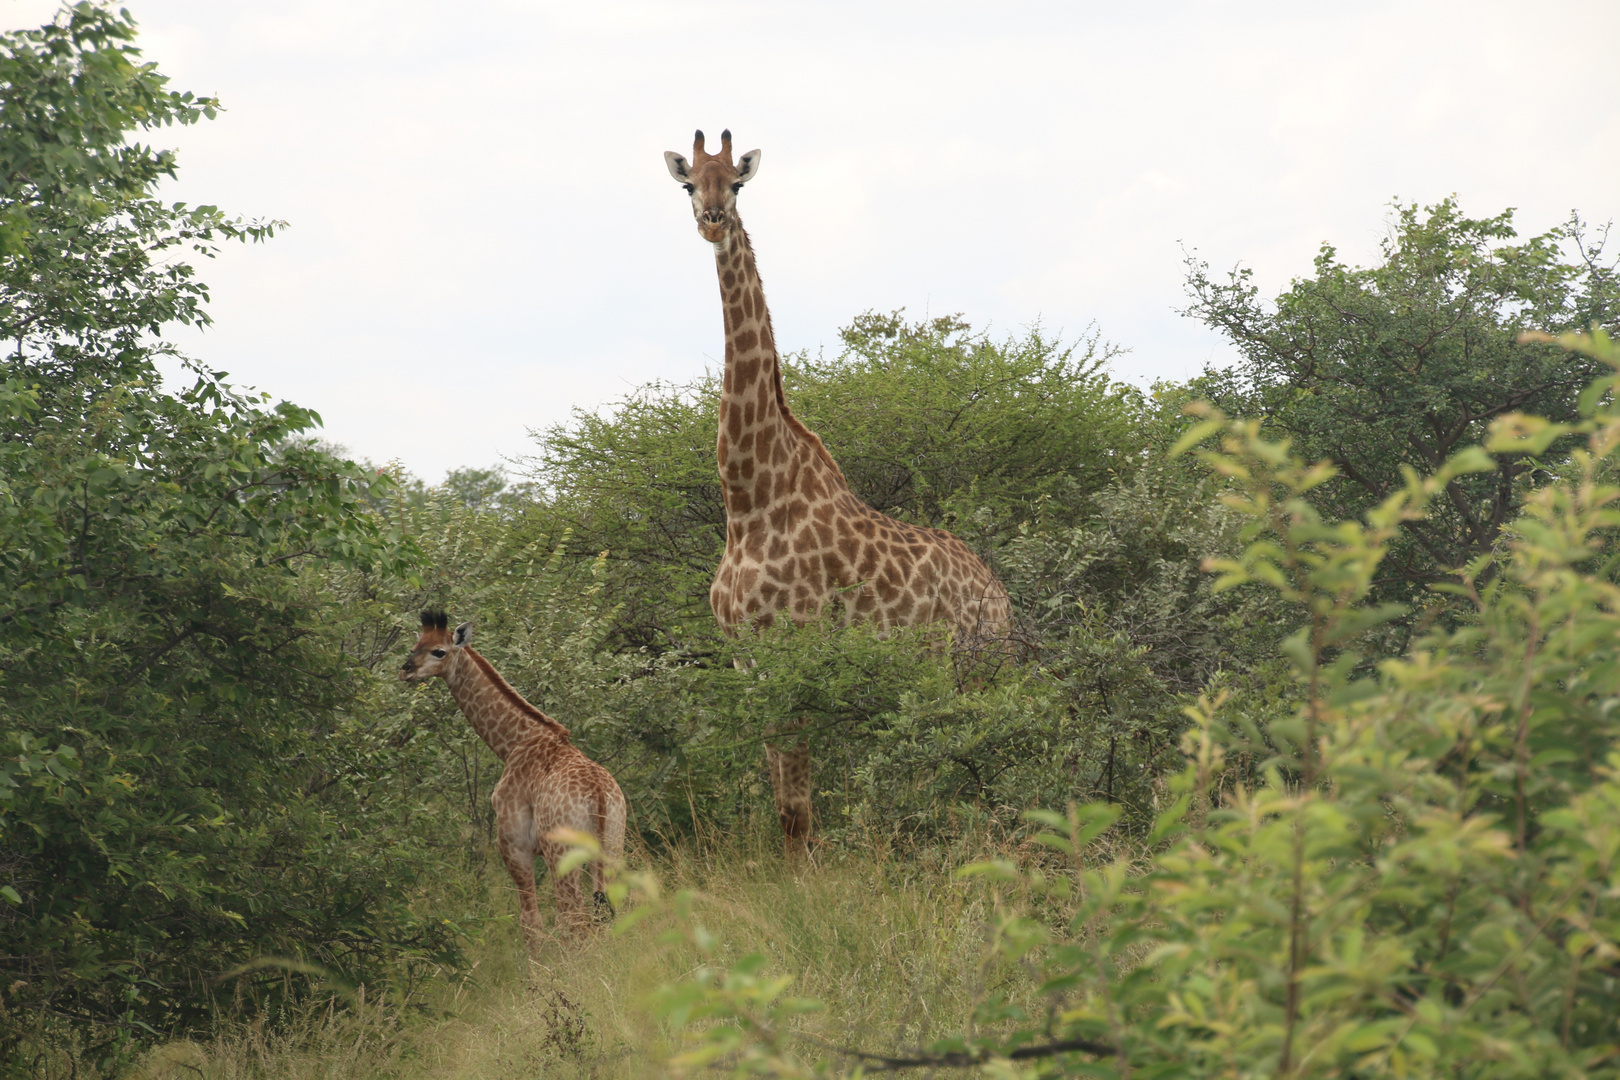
column 817, row 447
column 512, row 696
column 796, row 425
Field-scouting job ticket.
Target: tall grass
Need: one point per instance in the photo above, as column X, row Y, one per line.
column 894, row 947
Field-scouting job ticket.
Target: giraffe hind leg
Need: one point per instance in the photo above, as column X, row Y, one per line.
column 572, row 912
column 614, row 811
column 515, row 839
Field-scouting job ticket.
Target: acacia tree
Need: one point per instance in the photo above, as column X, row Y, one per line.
column 164, row 694
column 930, row 422
column 1400, row 365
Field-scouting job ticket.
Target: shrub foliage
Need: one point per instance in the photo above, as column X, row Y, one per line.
column 166, row 693
column 1415, row 873
column 1345, row 806
column 1403, row 364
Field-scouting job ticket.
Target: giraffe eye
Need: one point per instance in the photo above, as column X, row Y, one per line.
column 736, row 187
column 438, row 652
column 689, row 188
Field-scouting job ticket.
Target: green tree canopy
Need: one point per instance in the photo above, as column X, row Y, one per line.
column 930, row 422
column 1402, row 364
column 165, row 693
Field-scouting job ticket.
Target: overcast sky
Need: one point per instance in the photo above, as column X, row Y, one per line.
column 483, row 236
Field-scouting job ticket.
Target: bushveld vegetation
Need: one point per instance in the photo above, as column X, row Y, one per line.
column 1305, row 763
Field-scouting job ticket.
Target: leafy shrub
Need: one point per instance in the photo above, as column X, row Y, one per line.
column 1418, row 878
column 930, row 423
column 1401, row 365
column 164, row 689
column 933, row 423
column 541, row 619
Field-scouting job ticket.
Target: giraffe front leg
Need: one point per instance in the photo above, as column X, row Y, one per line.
column 514, row 826
column 790, row 782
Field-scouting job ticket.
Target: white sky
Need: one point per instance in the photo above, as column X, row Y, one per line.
column 483, row 235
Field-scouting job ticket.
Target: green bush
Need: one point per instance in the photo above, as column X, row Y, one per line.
column 1402, row 364
column 930, row 423
column 1419, row 876
column 935, row 424
column 166, row 694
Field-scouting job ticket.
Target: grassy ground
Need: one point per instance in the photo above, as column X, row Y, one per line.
column 892, row 947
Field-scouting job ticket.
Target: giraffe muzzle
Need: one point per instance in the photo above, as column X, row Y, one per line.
column 712, row 225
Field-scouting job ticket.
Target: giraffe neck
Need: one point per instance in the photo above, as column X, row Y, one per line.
column 495, row 710
column 759, row 434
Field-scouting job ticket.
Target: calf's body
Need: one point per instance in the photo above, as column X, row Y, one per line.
column 546, row 785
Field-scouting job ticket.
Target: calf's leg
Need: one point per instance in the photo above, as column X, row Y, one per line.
column 514, row 831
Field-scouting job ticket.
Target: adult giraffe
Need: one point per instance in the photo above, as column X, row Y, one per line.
column 797, row 538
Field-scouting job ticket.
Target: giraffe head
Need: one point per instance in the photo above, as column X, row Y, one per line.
column 713, row 181
column 436, row 649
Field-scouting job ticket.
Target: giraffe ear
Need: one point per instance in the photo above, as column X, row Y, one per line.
column 463, row 633
column 678, row 168
column 748, row 167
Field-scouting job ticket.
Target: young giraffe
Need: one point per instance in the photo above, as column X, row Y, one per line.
column 797, row 538
column 547, row 783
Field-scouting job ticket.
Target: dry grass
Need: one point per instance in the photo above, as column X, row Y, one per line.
column 894, row 949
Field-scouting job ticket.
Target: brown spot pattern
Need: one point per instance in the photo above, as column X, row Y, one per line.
column 546, row 784
column 796, row 537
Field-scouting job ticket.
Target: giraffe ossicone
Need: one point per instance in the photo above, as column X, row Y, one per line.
column 546, row 783
column 798, row 540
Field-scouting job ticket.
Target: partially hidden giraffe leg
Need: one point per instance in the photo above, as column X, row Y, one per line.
column 572, row 913
column 514, row 832
column 612, row 811
column 790, row 782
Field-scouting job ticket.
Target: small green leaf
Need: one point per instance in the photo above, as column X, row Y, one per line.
column 1195, row 435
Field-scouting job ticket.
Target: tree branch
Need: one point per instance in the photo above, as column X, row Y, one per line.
column 967, row 1059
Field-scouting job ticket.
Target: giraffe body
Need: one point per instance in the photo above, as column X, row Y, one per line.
column 798, row 540
column 546, row 784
